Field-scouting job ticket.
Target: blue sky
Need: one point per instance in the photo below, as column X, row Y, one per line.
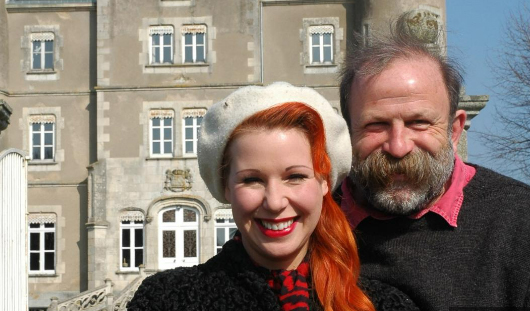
column 474, row 34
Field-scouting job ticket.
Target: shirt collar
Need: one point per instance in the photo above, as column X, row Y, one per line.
column 448, row 206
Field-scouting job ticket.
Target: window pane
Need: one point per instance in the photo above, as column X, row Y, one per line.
column 199, row 38
column 200, row 53
column 315, row 39
column 232, row 232
column 189, row 147
column 49, row 225
column 220, row 221
column 156, row 121
column 139, row 237
column 167, row 147
column 199, row 121
column 34, row 241
column 188, row 133
column 48, row 138
column 126, row 261
column 188, row 121
column 34, row 225
column 36, row 153
column 49, row 261
column 49, row 243
column 231, row 220
column 167, row 54
column 327, row 38
column 48, row 153
column 156, row 55
column 190, row 216
column 36, row 139
column 168, row 121
column 156, row 148
column 125, row 238
column 48, row 126
column 156, row 39
column 36, row 55
column 167, row 39
column 48, row 61
column 167, row 133
column 190, row 243
column 327, row 54
column 316, row 55
column 36, row 127
column 156, row 134
column 188, row 38
column 188, row 56
column 169, row 216
column 34, row 261
column 48, row 46
column 138, row 257
column 220, row 236
column 168, row 244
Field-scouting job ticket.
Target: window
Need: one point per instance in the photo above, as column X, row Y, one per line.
column 42, row 51
column 42, row 137
column 41, row 247
column 132, row 244
column 224, row 231
column 321, row 50
column 179, row 237
column 161, row 133
column 190, row 130
column 161, row 45
column 194, row 44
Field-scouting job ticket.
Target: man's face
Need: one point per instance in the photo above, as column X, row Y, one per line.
column 403, row 152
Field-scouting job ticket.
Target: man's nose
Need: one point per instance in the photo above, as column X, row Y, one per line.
column 275, row 196
column 398, row 143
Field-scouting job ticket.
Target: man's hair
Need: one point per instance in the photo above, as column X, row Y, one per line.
column 366, row 60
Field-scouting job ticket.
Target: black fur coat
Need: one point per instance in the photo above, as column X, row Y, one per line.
column 230, row 281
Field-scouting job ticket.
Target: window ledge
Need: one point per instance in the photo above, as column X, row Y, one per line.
column 43, row 275
column 321, row 65
column 128, row 272
column 177, row 65
column 171, row 158
column 41, row 72
column 42, row 162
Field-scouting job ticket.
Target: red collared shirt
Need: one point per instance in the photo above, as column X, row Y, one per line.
column 448, row 206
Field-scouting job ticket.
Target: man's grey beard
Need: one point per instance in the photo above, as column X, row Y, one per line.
column 424, row 178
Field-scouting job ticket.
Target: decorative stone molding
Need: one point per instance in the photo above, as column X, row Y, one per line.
column 178, row 180
column 44, row 218
column 42, row 36
column 193, row 113
column 41, row 119
column 423, row 25
column 321, row 29
column 161, row 30
column 224, row 213
column 161, row 113
column 193, row 29
column 132, row 216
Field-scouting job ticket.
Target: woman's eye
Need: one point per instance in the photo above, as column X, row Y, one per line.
column 297, row 177
column 250, row 180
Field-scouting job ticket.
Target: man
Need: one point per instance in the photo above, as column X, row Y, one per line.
column 449, row 234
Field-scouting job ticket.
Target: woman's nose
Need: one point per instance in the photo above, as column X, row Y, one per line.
column 275, row 196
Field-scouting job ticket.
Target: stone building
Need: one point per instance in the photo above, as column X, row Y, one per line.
column 107, row 98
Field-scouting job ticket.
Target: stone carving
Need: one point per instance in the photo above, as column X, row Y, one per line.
column 178, row 180
column 423, row 25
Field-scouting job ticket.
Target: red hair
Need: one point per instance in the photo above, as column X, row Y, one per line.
column 334, row 260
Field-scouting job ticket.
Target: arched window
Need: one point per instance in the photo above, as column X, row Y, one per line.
column 225, row 227
column 178, row 237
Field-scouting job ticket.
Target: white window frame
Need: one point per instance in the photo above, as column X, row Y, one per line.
column 162, row 115
column 226, row 224
column 194, row 30
column 161, row 31
column 42, row 38
column 195, row 115
column 179, row 227
column 42, row 121
column 132, row 226
column 321, row 31
column 41, row 230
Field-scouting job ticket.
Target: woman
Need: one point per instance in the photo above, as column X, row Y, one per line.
column 274, row 154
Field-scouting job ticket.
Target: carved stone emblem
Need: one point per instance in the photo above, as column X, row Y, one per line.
column 423, row 25
column 178, row 180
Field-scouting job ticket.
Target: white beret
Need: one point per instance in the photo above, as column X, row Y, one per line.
column 223, row 117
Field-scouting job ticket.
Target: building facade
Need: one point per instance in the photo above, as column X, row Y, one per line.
column 107, row 99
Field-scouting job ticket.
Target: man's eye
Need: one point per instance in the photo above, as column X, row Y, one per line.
column 374, row 126
column 419, row 123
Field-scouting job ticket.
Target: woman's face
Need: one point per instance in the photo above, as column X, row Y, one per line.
column 276, row 197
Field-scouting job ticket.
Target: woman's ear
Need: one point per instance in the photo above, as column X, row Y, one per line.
column 325, row 188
